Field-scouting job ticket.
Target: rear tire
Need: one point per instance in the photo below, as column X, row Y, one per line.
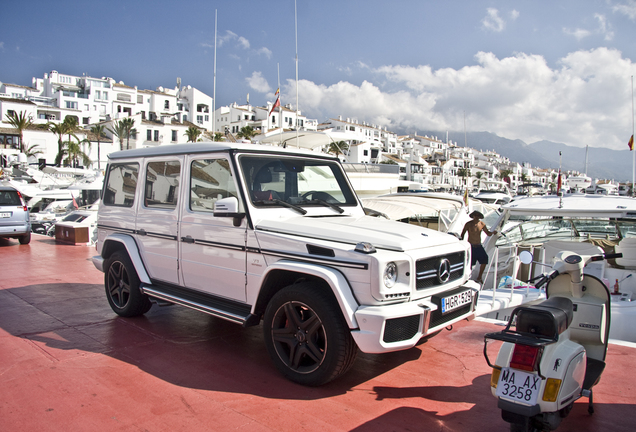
column 25, row 239
column 306, row 336
column 122, row 287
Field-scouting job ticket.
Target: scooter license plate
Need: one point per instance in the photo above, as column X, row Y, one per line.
column 517, row 386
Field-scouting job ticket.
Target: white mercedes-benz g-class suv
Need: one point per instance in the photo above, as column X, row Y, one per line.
column 253, row 233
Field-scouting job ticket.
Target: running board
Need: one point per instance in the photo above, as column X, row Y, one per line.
column 212, row 305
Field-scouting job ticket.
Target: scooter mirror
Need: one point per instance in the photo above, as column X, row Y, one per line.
column 525, row 257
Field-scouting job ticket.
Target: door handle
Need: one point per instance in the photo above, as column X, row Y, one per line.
column 187, row 239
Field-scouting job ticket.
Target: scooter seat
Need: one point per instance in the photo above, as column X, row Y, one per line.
column 549, row 318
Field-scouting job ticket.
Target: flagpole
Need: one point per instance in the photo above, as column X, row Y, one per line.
column 296, row 28
column 280, row 107
column 633, row 153
column 214, row 85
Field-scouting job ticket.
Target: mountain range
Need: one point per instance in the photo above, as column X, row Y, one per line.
column 602, row 163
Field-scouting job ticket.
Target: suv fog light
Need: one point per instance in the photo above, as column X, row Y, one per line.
column 390, row 275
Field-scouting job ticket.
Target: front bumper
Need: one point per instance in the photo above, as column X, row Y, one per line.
column 401, row 326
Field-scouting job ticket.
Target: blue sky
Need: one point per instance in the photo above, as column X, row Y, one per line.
column 530, row 70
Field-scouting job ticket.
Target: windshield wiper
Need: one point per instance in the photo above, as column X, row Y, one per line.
column 300, row 210
column 326, row 204
column 282, row 203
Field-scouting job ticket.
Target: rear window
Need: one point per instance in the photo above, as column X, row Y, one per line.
column 121, row 185
column 9, row 198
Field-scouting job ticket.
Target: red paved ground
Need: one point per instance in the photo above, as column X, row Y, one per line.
column 68, row 363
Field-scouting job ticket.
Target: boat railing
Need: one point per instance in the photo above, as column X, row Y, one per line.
column 514, row 261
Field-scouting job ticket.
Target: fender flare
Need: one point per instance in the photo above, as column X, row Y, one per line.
column 133, row 252
column 337, row 282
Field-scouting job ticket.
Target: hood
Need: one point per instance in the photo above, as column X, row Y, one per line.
column 381, row 233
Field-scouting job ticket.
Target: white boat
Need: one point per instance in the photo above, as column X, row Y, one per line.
column 496, row 192
column 585, row 224
column 435, row 210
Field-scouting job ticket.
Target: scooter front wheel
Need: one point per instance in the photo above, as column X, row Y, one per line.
column 526, row 426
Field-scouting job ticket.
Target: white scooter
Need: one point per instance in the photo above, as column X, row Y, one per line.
column 553, row 352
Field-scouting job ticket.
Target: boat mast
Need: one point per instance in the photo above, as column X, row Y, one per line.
column 633, row 153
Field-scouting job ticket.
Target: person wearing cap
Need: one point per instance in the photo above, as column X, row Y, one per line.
column 474, row 228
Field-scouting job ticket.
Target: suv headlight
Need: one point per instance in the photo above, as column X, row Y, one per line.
column 390, row 274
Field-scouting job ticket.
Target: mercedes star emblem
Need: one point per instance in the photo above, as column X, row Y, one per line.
column 443, row 271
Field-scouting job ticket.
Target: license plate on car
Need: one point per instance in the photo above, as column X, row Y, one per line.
column 5, row 215
column 456, row 300
column 518, row 386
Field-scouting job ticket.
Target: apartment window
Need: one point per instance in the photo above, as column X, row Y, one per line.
column 174, row 136
column 98, row 94
column 86, row 107
column 118, row 108
column 85, row 120
column 71, row 105
column 157, row 135
column 143, row 115
column 105, row 95
column 140, row 99
column 148, row 135
column 207, row 118
column 180, row 107
column 199, row 119
column 273, row 119
column 166, row 105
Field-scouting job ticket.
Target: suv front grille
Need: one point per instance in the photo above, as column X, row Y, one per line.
column 428, row 270
column 400, row 329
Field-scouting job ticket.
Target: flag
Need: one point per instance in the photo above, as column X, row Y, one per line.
column 559, row 183
column 75, row 203
column 276, row 104
column 466, row 198
column 630, row 144
column 277, row 91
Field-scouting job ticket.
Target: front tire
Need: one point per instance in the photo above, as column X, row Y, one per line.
column 306, row 335
column 122, row 287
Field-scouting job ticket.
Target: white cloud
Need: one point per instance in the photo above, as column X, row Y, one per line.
column 577, row 33
column 258, row 83
column 604, row 27
column 492, row 21
column 586, row 101
column 244, row 42
column 628, row 9
column 265, row 51
column 2, row 46
column 514, row 14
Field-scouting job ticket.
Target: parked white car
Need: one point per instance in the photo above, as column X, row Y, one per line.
column 253, row 233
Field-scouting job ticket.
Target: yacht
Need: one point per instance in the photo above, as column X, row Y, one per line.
column 581, row 223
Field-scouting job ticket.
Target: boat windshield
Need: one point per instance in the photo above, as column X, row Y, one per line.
column 530, row 230
column 292, row 181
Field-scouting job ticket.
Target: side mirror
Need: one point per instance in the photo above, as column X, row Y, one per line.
column 525, row 257
column 228, row 207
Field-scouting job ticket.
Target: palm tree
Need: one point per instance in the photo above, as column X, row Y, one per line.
column 32, row 150
column 338, row 148
column 129, row 124
column 463, row 172
column 75, row 152
column 193, row 133
column 20, row 122
column 247, row 132
column 121, row 131
column 505, row 174
column 58, row 129
column 99, row 131
column 478, row 176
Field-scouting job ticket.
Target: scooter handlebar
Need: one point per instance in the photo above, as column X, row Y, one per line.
column 546, row 278
column 612, row 256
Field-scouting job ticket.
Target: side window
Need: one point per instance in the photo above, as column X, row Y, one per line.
column 121, row 185
column 162, row 184
column 210, row 180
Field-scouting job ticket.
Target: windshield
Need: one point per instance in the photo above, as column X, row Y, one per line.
column 296, row 181
column 535, row 230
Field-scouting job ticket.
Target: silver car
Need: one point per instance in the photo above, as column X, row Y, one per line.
column 14, row 215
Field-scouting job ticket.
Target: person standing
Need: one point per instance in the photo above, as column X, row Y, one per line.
column 474, row 228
